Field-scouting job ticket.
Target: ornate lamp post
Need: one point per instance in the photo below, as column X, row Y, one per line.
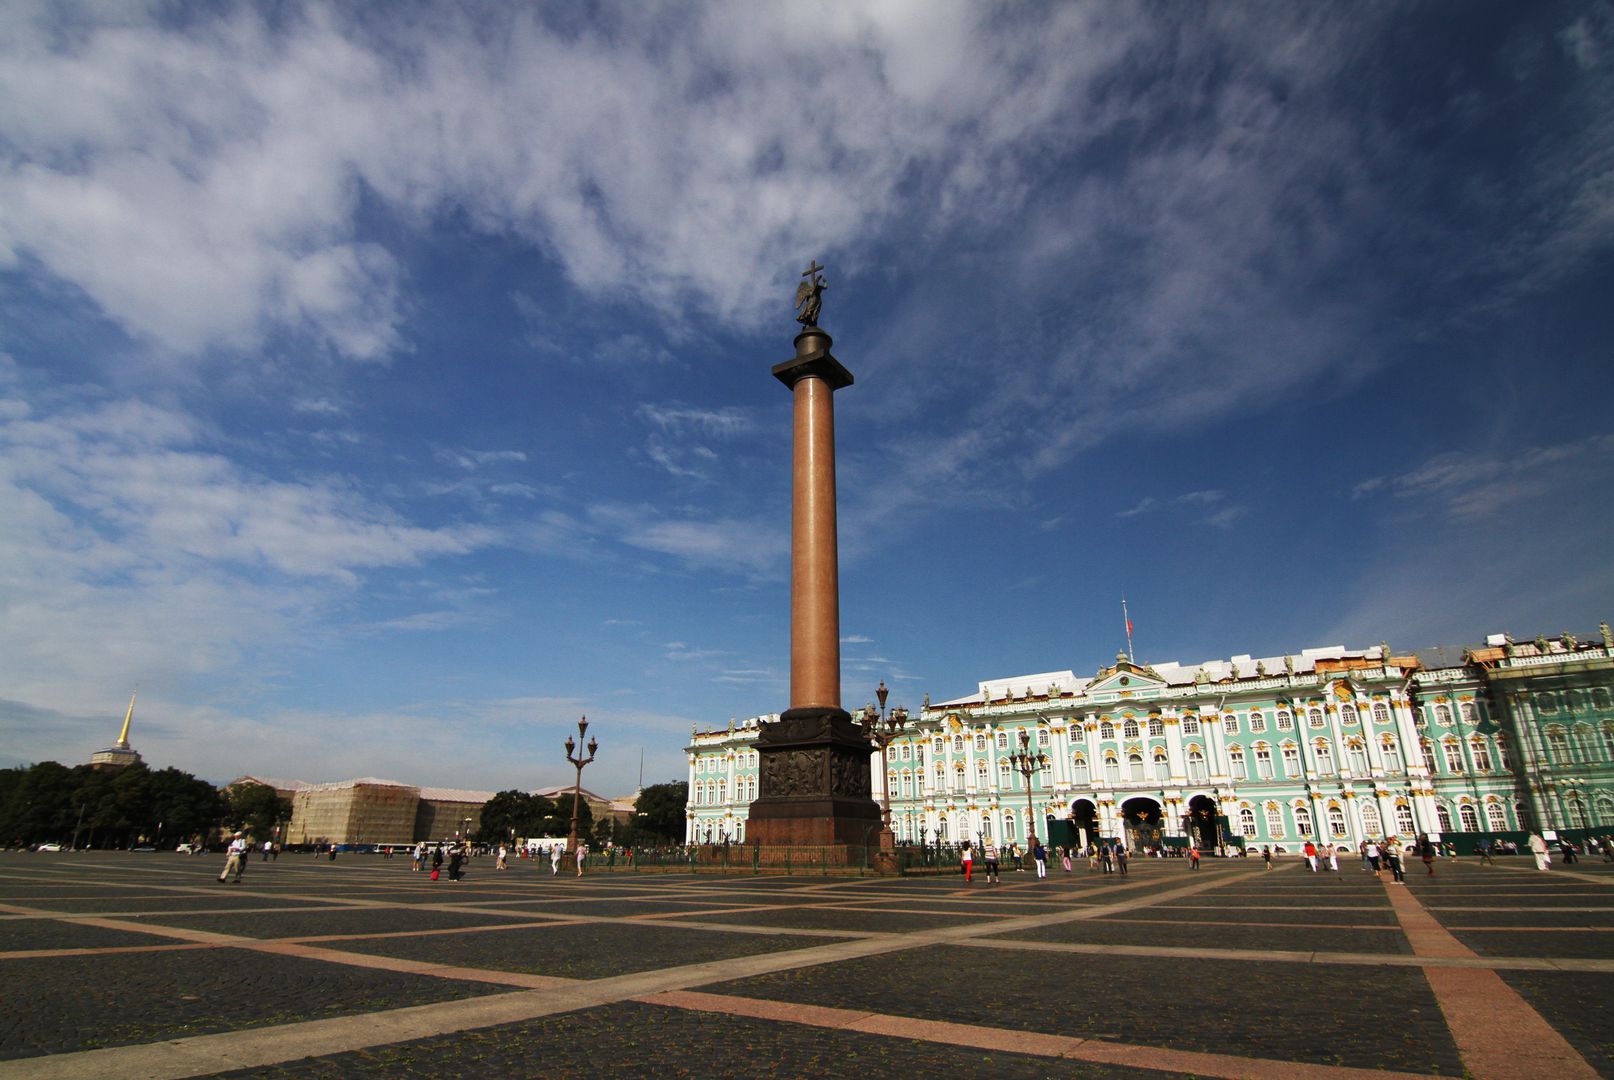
column 574, row 755
column 1026, row 764
column 882, row 730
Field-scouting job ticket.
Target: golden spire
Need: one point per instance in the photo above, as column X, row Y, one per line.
column 123, row 736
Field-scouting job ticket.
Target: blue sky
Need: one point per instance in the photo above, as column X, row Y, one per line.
column 384, row 387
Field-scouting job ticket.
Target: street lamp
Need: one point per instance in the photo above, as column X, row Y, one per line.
column 1026, row 764
column 574, row 755
column 881, row 731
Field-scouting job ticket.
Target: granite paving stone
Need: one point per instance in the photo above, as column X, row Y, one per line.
column 302, row 923
column 1253, row 939
column 22, row 934
column 1592, row 946
column 861, row 920
column 1580, row 1006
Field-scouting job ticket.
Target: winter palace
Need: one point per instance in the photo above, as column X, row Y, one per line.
column 1332, row 744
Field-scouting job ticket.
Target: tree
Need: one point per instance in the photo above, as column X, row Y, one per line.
column 255, row 809
column 514, row 813
column 559, row 823
column 660, row 810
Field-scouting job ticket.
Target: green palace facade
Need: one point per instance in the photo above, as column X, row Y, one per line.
column 1332, row 744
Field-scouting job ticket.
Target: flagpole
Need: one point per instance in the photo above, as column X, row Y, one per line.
column 1128, row 620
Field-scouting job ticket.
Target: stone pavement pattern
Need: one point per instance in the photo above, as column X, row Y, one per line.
column 128, row 965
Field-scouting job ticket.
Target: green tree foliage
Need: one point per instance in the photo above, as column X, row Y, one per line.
column 109, row 809
column 659, row 813
column 255, row 809
column 514, row 814
column 560, row 822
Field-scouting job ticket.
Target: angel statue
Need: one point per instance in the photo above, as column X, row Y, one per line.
column 809, row 295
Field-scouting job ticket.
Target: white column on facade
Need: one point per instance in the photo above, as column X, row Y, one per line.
column 1210, row 725
column 689, row 803
column 1386, row 807
column 1174, row 752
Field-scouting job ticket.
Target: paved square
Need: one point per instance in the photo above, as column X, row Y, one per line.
column 119, row 965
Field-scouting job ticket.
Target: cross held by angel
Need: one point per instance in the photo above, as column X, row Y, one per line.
column 809, row 295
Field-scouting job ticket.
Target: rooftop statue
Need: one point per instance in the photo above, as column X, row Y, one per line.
column 809, row 295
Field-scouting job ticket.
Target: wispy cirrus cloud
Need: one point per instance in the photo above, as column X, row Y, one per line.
column 1476, row 484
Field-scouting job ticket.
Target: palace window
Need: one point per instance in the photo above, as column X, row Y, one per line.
column 1162, row 768
column 1129, row 730
column 1275, row 823
column 1443, row 715
column 1134, row 763
column 1481, row 754
column 1608, row 739
column 1263, row 762
column 1042, row 738
column 1196, row 766
column 1392, row 754
column 1605, row 810
column 1347, row 714
column 1078, row 770
column 1547, row 703
column 1291, row 760
column 1157, row 727
column 1442, row 818
column 1336, row 822
column 1190, row 725
column 1325, row 757
column 907, row 785
column 1600, row 697
column 941, row 777
column 958, row 776
column 980, row 744
column 1286, row 721
column 1003, row 740
column 1112, row 771
column 1428, row 750
column 1466, row 711
column 1370, row 820
column 1258, row 723
column 1521, row 813
column 1504, row 753
column 1469, row 817
column 1235, row 760
column 940, row 747
column 1403, row 820
column 1247, row 823
column 1230, row 724
column 1003, row 772
column 1302, row 821
column 1106, row 730
column 1356, row 758
column 980, row 773
column 1008, row 827
column 1558, row 746
column 958, row 744
column 722, row 791
column 1577, row 812
column 1454, row 756
column 1381, row 713
column 1496, row 817
column 1585, row 741
column 1314, row 717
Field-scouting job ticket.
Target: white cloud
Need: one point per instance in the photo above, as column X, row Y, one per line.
column 1471, row 484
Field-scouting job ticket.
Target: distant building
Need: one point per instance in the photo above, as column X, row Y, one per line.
column 373, row 811
column 1332, row 744
column 120, row 755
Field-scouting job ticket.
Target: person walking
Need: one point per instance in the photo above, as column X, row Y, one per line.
column 1064, row 858
column 1039, row 854
column 1538, row 848
column 582, row 854
column 1106, row 855
column 437, row 861
column 456, row 859
column 1333, row 857
column 417, row 856
column 967, row 859
column 554, row 859
column 499, row 863
column 1311, row 856
column 1374, row 854
column 235, row 858
column 1392, row 853
column 1193, row 856
column 1266, row 856
column 990, row 854
column 1483, row 850
column 1427, row 850
column 1121, row 857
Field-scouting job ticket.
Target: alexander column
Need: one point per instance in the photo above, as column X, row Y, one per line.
column 814, row 760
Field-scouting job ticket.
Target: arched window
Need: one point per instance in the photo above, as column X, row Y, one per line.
column 980, row 744
column 1496, row 817
column 1286, row 721
column 1521, row 813
column 1608, row 739
column 1558, row 746
column 1547, row 703
column 1381, row 713
column 1008, row 827
column 722, row 791
column 1190, row 725
column 940, row 747
column 958, row 744
column 1157, row 727
column 1356, row 757
column 1162, row 767
column 907, row 785
column 1134, row 764
column 1247, row 823
column 1258, row 723
column 1112, row 770
column 1263, row 762
column 1235, row 760
column 1324, row 755
column 1403, row 820
column 941, row 777
column 1504, row 753
column 1196, row 766
column 1078, row 768
column 1481, row 754
column 1442, row 818
column 1003, row 740
column 1302, row 821
column 1392, row 753
column 1003, row 771
column 1468, row 816
column 1291, row 760
column 1605, row 810
column 1370, row 820
column 1577, row 812
column 1314, row 717
column 1347, row 714
column 1230, row 724
column 1585, row 741
column 941, row 829
column 1466, row 711
column 1129, row 730
column 1106, row 730
column 1042, row 738
column 1336, row 822
column 1454, row 755
column 1274, row 822
column 1443, row 715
